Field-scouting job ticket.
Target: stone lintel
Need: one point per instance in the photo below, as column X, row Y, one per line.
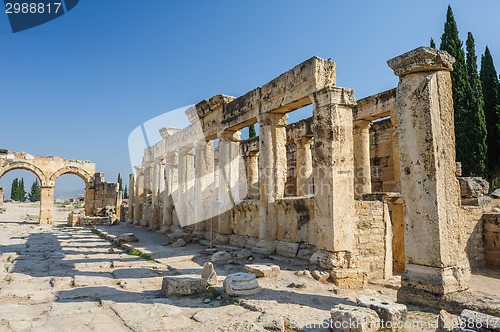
column 420, row 60
column 334, row 95
column 166, row 132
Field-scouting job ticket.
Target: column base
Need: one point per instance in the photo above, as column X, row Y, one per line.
column 349, row 278
column 436, row 280
column 334, row 260
column 265, row 247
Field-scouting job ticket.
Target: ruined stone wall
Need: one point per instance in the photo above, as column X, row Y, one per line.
column 474, row 228
column 492, row 239
column 381, row 155
column 102, row 196
column 296, row 220
column 371, row 236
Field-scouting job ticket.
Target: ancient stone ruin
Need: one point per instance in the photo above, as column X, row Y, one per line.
column 355, row 188
column 99, row 195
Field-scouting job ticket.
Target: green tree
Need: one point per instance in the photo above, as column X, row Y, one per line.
column 476, row 130
column 432, row 43
column 125, row 192
column 34, row 195
column 120, row 184
column 450, row 42
column 251, row 131
column 14, row 189
column 491, row 95
column 22, row 191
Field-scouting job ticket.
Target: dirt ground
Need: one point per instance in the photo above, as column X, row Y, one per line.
column 56, row 278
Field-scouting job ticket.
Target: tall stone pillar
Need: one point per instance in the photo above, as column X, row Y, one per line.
column 228, row 187
column 131, row 198
column 252, row 172
column 148, row 184
column 272, row 176
column 204, row 182
column 155, row 221
column 139, row 195
column 334, row 177
column 171, row 173
column 362, row 168
column 46, row 204
column 303, row 166
column 433, row 226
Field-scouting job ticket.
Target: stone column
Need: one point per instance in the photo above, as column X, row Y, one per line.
column 46, row 204
column 252, row 171
column 131, row 198
column 362, row 168
column 272, row 176
column 139, row 195
column 229, row 149
column 304, row 166
column 154, row 225
column 334, row 177
column 204, row 182
column 171, row 173
column 434, row 241
column 146, row 205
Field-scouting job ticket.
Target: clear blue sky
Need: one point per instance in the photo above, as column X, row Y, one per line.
column 77, row 86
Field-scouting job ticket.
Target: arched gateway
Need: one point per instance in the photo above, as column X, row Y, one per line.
column 47, row 169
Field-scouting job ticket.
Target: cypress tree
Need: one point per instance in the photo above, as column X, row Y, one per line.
column 14, row 189
column 491, row 95
column 432, row 44
column 125, row 192
column 251, row 131
column 476, row 133
column 450, row 42
column 22, row 191
column 34, row 195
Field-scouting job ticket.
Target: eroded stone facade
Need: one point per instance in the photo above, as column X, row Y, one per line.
column 355, row 188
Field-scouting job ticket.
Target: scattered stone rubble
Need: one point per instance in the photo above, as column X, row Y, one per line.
column 241, row 284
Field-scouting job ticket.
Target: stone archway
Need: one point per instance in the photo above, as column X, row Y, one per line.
column 47, row 169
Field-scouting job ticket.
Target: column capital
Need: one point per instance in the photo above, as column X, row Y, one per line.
column 420, row 60
column 334, row 95
column 272, row 119
column 172, row 159
column 229, row 135
column 301, row 141
column 362, row 124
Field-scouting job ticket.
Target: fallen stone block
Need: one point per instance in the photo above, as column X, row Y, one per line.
column 208, row 274
column 241, row 284
column 349, row 278
column 473, row 187
column 392, row 315
column 446, row 321
column 321, row 276
column 221, row 256
column 127, row 237
column 479, row 322
column 263, row 270
column 306, row 251
column 347, row 318
column 237, row 240
column 287, row 249
column 244, row 254
column 179, row 243
column 182, row 285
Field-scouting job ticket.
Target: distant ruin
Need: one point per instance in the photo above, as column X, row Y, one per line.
column 364, row 188
column 98, row 194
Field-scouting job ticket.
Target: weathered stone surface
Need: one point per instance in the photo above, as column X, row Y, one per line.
column 321, row 276
column 179, row 243
column 447, row 321
column 420, row 60
column 241, row 284
column 264, row 247
column 244, row 254
column 349, row 278
column 354, row 319
column 182, row 285
column 287, row 249
column 480, row 321
column 221, row 256
column 392, row 315
column 473, row 187
column 237, row 240
column 263, row 270
column 218, row 314
column 329, row 260
column 306, row 251
column 208, row 273
column 125, row 238
column 272, row 322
